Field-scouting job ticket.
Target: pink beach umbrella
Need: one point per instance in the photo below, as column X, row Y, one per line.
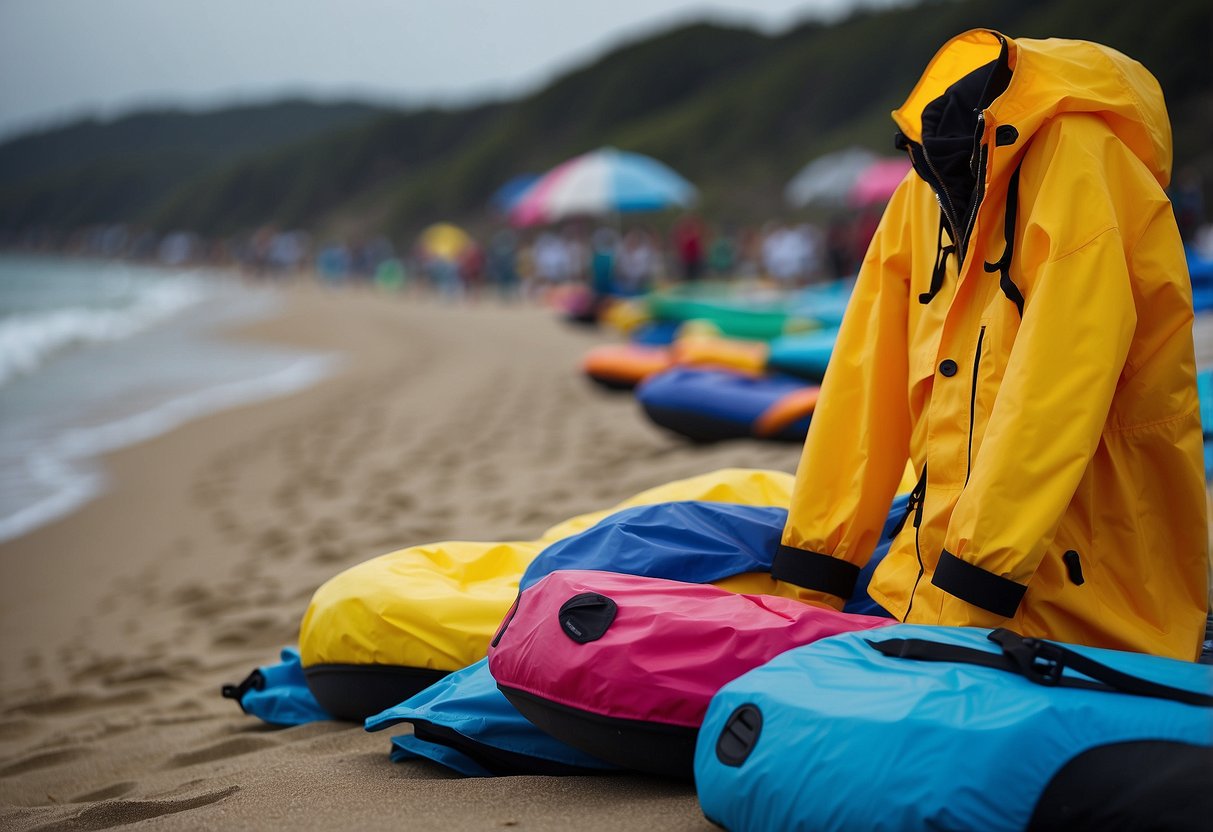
column 599, row 183
column 878, row 181
column 827, row 180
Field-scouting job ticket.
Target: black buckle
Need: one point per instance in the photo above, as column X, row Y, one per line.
column 1042, row 662
column 1047, row 663
column 254, row 681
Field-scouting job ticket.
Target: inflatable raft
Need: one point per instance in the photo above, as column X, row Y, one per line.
column 465, row 723
column 382, row 631
column 623, row 366
column 711, row 405
column 959, row 728
column 753, row 312
column 757, row 321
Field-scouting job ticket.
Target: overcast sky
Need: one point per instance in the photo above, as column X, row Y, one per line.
column 64, row 58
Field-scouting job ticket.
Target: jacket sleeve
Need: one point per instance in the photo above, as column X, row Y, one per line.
column 858, row 441
column 1062, row 371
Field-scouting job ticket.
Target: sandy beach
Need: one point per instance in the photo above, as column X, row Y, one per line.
column 120, row 622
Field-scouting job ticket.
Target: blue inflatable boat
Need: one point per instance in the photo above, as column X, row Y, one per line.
column 710, row 405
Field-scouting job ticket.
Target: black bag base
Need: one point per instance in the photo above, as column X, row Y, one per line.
column 704, row 429
column 1150, row 784
column 612, row 383
column 355, row 691
column 650, row 747
column 496, row 760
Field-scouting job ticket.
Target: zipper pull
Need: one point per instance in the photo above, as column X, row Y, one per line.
column 913, row 505
column 919, row 497
column 978, row 135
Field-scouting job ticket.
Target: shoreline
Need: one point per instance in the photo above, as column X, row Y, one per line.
column 134, row 471
column 165, row 343
column 119, row 622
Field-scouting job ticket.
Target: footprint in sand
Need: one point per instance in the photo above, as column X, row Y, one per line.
column 206, row 603
column 327, row 555
column 12, row 729
column 67, row 703
column 106, row 793
column 221, row 751
column 276, row 543
column 287, row 496
column 255, row 632
column 44, row 759
column 98, row 668
column 142, row 674
column 114, row 813
column 400, row 501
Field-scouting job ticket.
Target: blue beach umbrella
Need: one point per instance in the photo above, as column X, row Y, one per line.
column 507, row 196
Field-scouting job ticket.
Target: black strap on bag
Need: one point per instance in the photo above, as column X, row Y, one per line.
column 254, row 681
column 1041, row 662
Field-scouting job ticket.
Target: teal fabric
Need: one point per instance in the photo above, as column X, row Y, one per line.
column 492, row 737
column 406, row 747
column 853, row 739
column 282, row 696
column 805, row 355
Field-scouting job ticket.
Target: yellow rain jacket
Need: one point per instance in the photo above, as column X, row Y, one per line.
column 1021, row 331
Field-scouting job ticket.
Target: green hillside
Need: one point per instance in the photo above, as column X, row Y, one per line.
column 736, row 111
column 94, row 171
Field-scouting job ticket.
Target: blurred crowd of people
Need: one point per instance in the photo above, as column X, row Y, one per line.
column 622, row 258
column 625, row 258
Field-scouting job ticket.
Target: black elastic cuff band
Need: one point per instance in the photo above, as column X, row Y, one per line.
column 813, row 570
column 978, row 587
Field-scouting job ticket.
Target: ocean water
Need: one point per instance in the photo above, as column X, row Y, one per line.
column 95, row 356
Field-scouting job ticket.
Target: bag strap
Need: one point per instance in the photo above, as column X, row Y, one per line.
column 254, row 681
column 1041, row 662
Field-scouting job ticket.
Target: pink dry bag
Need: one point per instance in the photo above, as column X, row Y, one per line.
column 622, row 667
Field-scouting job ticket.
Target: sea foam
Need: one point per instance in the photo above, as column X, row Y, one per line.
column 28, row 339
column 65, row 468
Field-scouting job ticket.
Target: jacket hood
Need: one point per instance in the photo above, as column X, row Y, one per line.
column 1050, row 78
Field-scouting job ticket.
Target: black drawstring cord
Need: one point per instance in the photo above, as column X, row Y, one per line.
column 941, row 265
column 1003, row 264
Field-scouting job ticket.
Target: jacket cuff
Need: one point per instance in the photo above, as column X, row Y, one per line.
column 815, row 571
column 976, row 586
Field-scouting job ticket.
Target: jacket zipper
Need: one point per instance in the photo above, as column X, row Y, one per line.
column 981, row 336
column 918, row 495
column 914, row 505
column 980, row 149
column 941, row 194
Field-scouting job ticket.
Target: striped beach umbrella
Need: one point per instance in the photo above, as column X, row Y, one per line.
column 828, row 180
column 876, row 184
column 602, row 182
